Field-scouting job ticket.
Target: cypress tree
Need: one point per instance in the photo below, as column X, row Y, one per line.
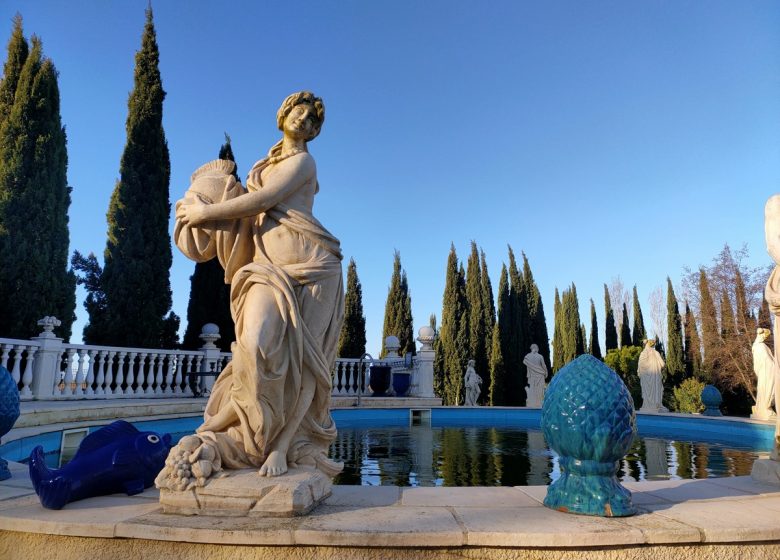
column 209, row 295
column 594, row 348
column 610, row 332
column 764, row 320
column 625, row 332
column 513, row 360
column 478, row 335
column 692, row 350
column 727, row 326
column 454, row 332
column 537, row 321
column 497, row 391
column 571, row 331
column 503, row 324
column 135, row 279
column 398, row 310
column 745, row 321
column 639, row 333
column 675, row 360
column 557, row 349
column 488, row 305
column 709, row 326
column 352, row 339
column 34, row 194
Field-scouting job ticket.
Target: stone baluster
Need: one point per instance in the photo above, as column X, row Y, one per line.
column 119, row 380
column 143, row 374
column 25, row 393
column 110, row 369
column 151, row 374
column 16, row 370
column 130, row 377
column 349, row 381
column 47, row 360
column 81, row 373
column 209, row 334
column 90, row 377
column 181, row 360
column 159, row 377
column 6, row 349
column 170, row 373
column 70, row 374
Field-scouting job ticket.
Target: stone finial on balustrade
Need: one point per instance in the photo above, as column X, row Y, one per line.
column 48, row 324
column 209, row 334
column 426, row 336
column 392, row 346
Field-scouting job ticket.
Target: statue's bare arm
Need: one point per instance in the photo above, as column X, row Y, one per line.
column 291, row 175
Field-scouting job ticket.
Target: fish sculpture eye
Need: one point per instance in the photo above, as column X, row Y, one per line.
column 152, row 438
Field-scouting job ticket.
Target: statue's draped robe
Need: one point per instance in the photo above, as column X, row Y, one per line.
column 650, row 378
column 259, row 390
column 772, row 296
column 764, row 368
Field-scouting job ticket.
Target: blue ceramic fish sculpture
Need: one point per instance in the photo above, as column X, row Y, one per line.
column 116, row 458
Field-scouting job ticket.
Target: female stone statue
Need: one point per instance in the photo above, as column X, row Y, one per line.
column 537, row 374
column 763, row 366
column 269, row 408
column 472, row 382
column 651, row 379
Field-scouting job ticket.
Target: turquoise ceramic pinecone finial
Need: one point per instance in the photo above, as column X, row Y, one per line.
column 588, row 418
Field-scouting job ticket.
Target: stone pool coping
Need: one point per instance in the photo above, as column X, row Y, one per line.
column 672, row 512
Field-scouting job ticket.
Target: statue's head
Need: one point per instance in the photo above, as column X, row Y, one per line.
column 302, row 98
column 650, row 342
column 762, row 332
column 534, row 348
column 471, row 363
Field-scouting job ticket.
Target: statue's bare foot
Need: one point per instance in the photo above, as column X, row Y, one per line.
column 275, row 464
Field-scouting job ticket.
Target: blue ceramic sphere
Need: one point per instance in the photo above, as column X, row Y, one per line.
column 711, row 399
column 588, row 419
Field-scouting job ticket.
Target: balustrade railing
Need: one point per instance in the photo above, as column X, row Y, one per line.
column 45, row 368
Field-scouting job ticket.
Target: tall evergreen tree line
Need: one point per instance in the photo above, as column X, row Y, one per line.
column 34, row 195
column 352, row 339
column 132, row 299
column 398, row 310
column 496, row 335
column 209, row 294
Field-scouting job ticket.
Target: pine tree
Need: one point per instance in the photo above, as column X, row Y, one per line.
column 625, row 332
column 709, row 326
column 610, row 332
column 639, row 334
column 692, row 350
column 497, row 391
column 675, row 360
column 478, row 334
column 557, row 350
column 34, row 194
column 594, row 348
column 503, row 326
column 135, row 279
column 398, row 310
column 352, row 339
column 209, row 294
column 454, row 332
column 537, row 322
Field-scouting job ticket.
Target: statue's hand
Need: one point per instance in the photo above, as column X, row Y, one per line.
column 192, row 210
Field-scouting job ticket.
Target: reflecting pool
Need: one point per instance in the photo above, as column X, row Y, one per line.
column 511, row 456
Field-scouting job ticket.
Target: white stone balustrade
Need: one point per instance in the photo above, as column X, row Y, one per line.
column 45, row 368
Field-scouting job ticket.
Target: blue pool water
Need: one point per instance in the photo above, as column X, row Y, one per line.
column 492, row 447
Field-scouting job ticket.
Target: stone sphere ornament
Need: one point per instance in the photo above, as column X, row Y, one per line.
column 711, row 399
column 588, row 419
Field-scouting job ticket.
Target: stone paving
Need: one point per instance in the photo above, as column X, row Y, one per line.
column 722, row 510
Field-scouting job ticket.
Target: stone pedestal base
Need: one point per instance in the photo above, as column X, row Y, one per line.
column 766, row 470
column 246, row 493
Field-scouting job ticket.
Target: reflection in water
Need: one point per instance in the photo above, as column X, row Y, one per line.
column 501, row 456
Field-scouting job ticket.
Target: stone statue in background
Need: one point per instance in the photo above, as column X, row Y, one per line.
column 764, row 368
column 473, row 383
column 772, row 294
column 537, row 375
column 269, row 408
column 650, row 369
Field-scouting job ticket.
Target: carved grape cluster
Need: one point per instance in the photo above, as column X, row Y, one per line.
column 189, row 464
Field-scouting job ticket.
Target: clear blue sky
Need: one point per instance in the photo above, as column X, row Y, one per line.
column 604, row 139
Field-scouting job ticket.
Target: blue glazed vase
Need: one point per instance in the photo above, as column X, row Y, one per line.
column 379, row 379
column 588, row 419
column 711, row 399
column 401, row 380
column 9, row 412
